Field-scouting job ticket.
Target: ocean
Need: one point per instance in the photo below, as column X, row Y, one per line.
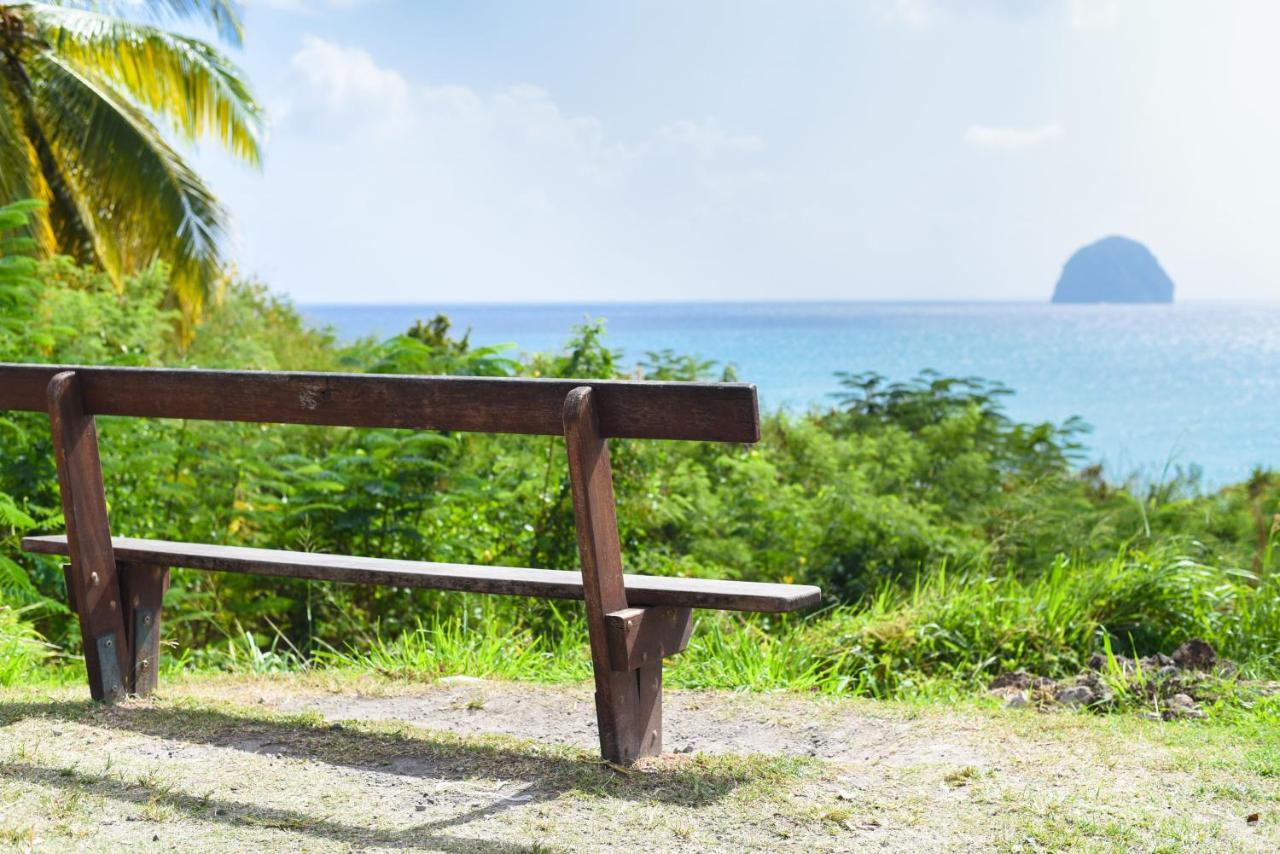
column 1163, row 386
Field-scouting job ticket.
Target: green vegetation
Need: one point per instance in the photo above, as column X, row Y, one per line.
column 88, row 91
column 953, row 543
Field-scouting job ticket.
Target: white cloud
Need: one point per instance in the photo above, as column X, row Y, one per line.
column 1010, row 138
column 503, row 187
column 1093, row 14
column 706, row 138
column 1082, row 14
column 913, row 13
column 344, row 79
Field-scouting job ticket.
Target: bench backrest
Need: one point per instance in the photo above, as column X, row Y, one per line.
column 714, row 412
column 627, row 644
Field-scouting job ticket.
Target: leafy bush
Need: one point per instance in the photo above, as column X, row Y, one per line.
column 951, row 541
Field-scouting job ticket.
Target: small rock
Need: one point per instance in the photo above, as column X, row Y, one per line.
column 1175, row 712
column 1169, row 671
column 1195, row 654
column 1016, row 679
column 1017, row 701
column 420, row 808
column 1076, row 695
column 1253, row 818
column 1182, row 706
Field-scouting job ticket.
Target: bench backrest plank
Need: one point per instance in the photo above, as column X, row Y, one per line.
column 713, row 412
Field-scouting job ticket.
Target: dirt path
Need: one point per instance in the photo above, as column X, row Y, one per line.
column 465, row 765
column 712, row 723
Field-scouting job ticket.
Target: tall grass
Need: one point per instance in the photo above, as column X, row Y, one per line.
column 486, row 640
column 947, row 634
column 22, row 651
column 952, row 631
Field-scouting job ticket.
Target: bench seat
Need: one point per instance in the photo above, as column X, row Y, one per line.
column 641, row 590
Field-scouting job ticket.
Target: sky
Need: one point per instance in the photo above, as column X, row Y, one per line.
column 580, row 151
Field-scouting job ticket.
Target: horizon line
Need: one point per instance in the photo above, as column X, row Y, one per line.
column 814, row 301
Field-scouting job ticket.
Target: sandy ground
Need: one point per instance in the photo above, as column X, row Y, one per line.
column 707, row 722
column 466, row 765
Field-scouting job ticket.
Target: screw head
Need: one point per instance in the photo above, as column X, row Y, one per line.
column 109, row 643
column 93, row 577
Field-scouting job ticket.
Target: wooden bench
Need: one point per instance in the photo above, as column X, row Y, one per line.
column 116, row 584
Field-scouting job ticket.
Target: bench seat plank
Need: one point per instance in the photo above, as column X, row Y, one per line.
column 707, row 593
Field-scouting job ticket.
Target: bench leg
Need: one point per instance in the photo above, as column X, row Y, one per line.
column 626, row 732
column 142, row 589
column 649, row 686
column 92, row 580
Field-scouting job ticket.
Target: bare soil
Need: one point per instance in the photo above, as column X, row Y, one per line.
column 326, row 763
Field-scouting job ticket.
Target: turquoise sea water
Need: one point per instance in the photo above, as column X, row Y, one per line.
column 1163, row 386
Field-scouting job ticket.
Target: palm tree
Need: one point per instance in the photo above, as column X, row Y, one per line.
column 84, row 90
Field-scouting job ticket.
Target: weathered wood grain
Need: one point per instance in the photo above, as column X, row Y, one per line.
column 142, row 589
column 95, row 585
column 624, row 735
column 714, row 412
column 709, row 593
column 640, row 636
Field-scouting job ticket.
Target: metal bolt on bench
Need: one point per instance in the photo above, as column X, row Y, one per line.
column 116, row 584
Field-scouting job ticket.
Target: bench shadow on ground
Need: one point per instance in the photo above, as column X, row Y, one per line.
column 546, row 772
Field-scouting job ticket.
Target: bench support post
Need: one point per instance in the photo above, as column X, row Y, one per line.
column 94, row 584
column 628, row 701
column 142, row 589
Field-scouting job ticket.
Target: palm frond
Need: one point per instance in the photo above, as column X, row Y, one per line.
column 20, row 175
column 23, row 176
column 200, row 92
column 135, row 194
column 222, row 15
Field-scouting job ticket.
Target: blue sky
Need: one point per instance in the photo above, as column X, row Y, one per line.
column 464, row 150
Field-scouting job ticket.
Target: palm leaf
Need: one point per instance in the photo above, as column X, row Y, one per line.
column 198, row 90
column 20, row 175
column 222, row 15
column 136, row 196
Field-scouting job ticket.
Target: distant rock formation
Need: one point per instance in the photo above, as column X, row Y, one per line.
column 1115, row 269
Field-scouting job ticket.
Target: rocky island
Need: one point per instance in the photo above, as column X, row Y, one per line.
column 1114, row 269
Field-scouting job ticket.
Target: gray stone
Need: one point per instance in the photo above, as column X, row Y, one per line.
column 1017, row 701
column 1076, row 695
